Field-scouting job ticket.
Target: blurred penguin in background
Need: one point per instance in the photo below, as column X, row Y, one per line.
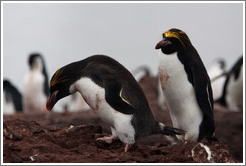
column 140, row 72
column 143, row 71
column 72, row 103
column 36, row 88
column 12, row 98
column 232, row 96
column 217, row 68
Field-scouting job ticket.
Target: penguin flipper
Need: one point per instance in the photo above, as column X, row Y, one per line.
column 204, row 98
column 113, row 88
column 203, row 90
column 114, row 99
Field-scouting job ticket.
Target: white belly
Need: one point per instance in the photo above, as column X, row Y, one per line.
column 8, row 107
column 217, row 85
column 34, row 98
column 94, row 96
column 234, row 96
column 180, row 96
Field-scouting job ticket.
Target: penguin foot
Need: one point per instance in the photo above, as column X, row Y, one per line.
column 107, row 139
column 127, row 147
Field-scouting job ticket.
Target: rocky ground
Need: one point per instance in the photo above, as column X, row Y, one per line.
column 53, row 137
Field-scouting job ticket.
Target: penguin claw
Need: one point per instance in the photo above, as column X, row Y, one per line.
column 107, row 139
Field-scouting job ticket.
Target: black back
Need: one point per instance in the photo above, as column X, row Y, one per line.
column 113, row 77
column 31, row 61
column 12, row 94
column 198, row 77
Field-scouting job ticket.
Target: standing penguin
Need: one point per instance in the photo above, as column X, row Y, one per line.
column 186, row 86
column 12, row 98
column 36, row 87
column 113, row 93
column 232, row 96
column 217, row 68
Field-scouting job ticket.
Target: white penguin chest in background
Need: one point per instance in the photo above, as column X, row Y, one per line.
column 180, row 95
column 33, row 92
column 8, row 106
column 217, row 85
column 234, row 96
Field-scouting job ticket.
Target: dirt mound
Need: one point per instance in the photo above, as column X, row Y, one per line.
column 71, row 138
column 27, row 141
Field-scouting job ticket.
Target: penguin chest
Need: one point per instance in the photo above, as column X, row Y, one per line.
column 180, row 96
column 173, row 78
column 33, row 92
column 8, row 105
column 234, row 96
column 217, row 85
column 94, row 95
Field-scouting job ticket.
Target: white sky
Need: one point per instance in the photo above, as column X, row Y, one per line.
column 128, row 32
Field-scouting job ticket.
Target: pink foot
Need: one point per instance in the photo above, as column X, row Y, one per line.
column 127, row 147
column 109, row 140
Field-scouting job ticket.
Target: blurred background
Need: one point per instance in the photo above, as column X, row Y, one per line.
column 128, row 32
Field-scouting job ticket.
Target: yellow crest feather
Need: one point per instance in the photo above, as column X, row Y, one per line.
column 57, row 79
column 175, row 35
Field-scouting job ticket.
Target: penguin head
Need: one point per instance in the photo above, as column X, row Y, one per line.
column 6, row 83
column 222, row 64
column 35, row 61
column 60, row 84
column 174, row 40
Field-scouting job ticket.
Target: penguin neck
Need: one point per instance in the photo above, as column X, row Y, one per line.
column 37, row 64
column 37, row 68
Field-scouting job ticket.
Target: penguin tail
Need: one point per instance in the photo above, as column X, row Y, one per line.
column 167, row 130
